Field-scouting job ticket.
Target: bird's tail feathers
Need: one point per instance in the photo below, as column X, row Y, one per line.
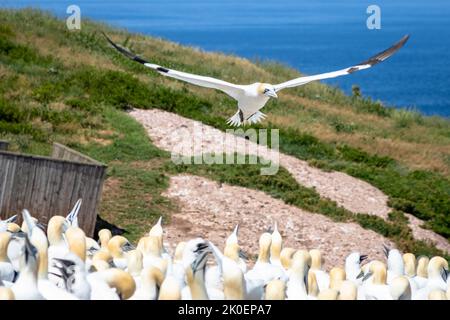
column 235, row 120
column 254, row 118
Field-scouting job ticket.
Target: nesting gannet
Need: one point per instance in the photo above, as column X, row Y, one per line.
column 296, row 286
column 57, row 226
column 251, row 98
column 72, row 272
column 118, row 246
column 410, row 263
column 170, row 287
column 213, row 276
column 421, row 277
column 376, row 287
column 26, row 285
column 58, row 247
column 323, row 279
column 38, row 238
column 4, row 223
column 134, row 264
column 150, row 280
column 7, row 272
column 102, row 260
column 233, row 250
column 286, row 257
column 337, row 277
column 195, row 272
column 234, row 282
column 395, row 264
column 152, row 252
column 104, row 235
column 157, row 231
column 312, row 286
column 400, row 288
column 353, row 267
column 437, row 278
column 111, row 284
column 263, row 269
column 194, row 260
column 276, row 246
column 92, row 247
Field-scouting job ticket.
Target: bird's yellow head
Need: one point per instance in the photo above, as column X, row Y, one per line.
column 57, row 225
column 104, row 235
column 267, row 89
column 316, row 259
column 337, row 276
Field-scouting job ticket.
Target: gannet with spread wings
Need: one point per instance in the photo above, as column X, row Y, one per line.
column 253, row 97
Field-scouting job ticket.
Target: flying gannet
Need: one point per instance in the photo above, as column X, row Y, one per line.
column 253, row 97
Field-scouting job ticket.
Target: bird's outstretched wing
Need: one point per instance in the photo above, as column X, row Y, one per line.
column 360, row 66
column 231, row 89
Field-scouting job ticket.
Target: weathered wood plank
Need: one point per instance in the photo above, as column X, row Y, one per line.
column 47, row 186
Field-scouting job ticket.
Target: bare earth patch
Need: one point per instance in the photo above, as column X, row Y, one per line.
column 211, row 210
column 187, row 137
column 170, row 132
column 427, row 235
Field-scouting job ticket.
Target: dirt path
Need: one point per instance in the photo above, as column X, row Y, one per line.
column 187, row 137
column 211, row 210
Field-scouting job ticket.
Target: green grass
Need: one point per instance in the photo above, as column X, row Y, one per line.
column 44, row 98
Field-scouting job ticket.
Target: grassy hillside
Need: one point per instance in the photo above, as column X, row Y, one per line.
column 71, row 87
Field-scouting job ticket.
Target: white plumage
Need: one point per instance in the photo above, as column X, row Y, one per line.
column 253, row 97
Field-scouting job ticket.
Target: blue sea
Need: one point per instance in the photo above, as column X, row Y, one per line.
column 311, row 36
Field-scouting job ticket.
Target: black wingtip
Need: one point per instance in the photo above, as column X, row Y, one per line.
column 386, row 53
column 126, row 52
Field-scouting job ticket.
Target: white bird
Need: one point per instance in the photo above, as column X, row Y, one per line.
column 253, row 97
column 263, row 271
column 38, row 238
column 4, row 223
column 395, row 264
column 26, row 285
column 118, row 246
column 213, row 277
column 151, row 280
column 296, row 286
column 323, row 279
column 234, row 283
column 421, row 277
column 276, row 246
column 7, row 272
column 400, row 288
column 437, row 278
column 376, row 287
column 72, row 272
column 353, row 267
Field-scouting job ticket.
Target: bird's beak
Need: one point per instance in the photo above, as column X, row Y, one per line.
column 272, row 94
column 360, row 275
column 362, row 258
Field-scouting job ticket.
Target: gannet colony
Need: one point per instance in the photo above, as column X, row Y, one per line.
column 59, row 261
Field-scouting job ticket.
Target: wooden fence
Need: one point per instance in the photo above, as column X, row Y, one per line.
column 49, row 186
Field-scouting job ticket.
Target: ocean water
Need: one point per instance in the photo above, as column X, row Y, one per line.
column 311, row 36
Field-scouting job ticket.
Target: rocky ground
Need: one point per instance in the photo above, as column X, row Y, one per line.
column 187, row 137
